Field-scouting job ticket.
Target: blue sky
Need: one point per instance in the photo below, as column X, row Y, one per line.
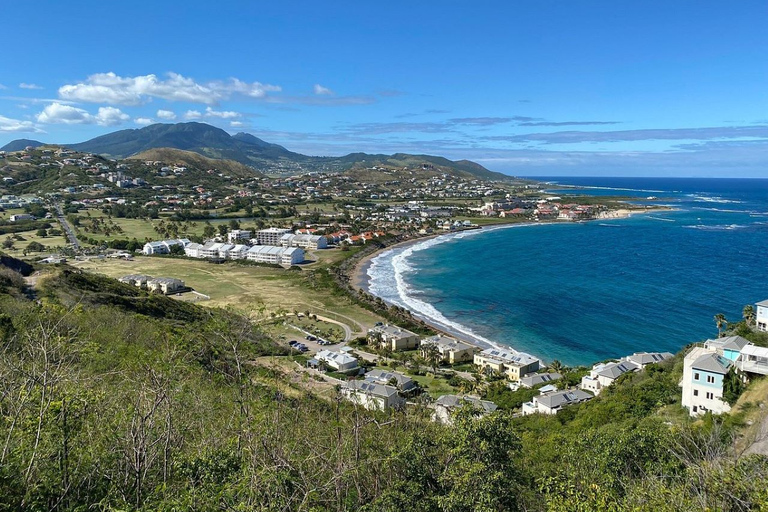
column 528, row 88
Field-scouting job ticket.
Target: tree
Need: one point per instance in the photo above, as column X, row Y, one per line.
column 721, row 322
column 732, row 387
column 234, row 224
column 749, row 314
column 42, row 232
column 8, row 243
column 208, row 231
column 223, row 229
column 432, row 355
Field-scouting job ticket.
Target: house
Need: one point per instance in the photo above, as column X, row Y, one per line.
column 238, row 252
column 552, row 402
column 511, row 363
column 450, row 349
column 271, row 236
column 339, row 361
column 403, row 383
column 210, row 250
column 193, row 250
column 643, row 359
column 445, row 407
column 285, row 256
column 605, row 374
column 304, row 241
column 393, row 337
column 533, row 380
column 729, row 347
column 165, row 285
column 237, row 235
column 753, row 359
column 371, row 395
column 164, row 246
column 703, row 374
column 761, row 315
column 137, row 280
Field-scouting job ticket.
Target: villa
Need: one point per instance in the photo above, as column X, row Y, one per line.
column 535, row 379
column 753, row 359
column 165, row 285
column 514, row 365
column 605, row 374
column 729, row 347
column 393, row 337
column 703, row 374
column 450, row 349
column 447, row 405
column 164, row 246
column 643, row 359
column 371, row 395
column 403, row 383
column 137, row 280
column 552, row 402
column 761, row 316
column 339, row 361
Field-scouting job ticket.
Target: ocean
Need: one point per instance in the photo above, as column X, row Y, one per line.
column 586, row 292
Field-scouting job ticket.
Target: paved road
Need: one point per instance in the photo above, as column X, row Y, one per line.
column 67, row 228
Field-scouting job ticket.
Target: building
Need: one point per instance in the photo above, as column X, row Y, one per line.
column 393, row 337
column 285, row 256
column 761, row 315
column 193, row 250
column 164, row 246
column 605, row 374
column 703, row 374
column 445, row 407
column 21, row 217
column 210, row 250
column 403, row 383
column 339, row 361
column 643, row 359
column 535, row 379
column 304, row 241
column 238, row 235
column 137, row 280
column 238, row 252
column 450, row 349
column 371, row 395
column 165, row 285
column 753, row 359
column 271, row 236
column 729, row 347
column 553, row 401
column 510, row 363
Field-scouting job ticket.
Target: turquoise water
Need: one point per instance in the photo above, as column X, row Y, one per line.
column 585, row 292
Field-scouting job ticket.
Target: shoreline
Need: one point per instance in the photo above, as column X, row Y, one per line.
column 360, row 280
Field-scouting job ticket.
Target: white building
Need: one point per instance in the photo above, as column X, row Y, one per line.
column 304, row 241
column 753, row 359
column 285, row 256
column 165, row 285
column 238, row 252
column 210, row 250
column 703, row 374
column 371, row 395
column 271, row 236
column 164, row 246
column 761, row 315
column 193, row 250
column 137, row 280
column 643, row 359
column 535, row 379
column 445, row 407
column 238, row 235
column 403, row 383
column 553, row 401
column 21, row 217
column 339, row 361
column 511, row 363
column 603, row 375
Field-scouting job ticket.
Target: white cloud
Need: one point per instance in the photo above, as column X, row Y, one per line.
column 143, row 121
column 322, row 91
column 236, row 124
column 30, row 86
column 14, row 125
column 166, row 114
column 56, row 113
column 226, row 114
column 192, row 114
column 111, row 88
column 2, row 87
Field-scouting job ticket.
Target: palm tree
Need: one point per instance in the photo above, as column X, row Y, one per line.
column 721, row 322
column 749, row 314
column 432, row 355
column 556, row 366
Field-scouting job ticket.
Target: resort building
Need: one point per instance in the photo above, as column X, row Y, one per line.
column 605, row 374
column 165, row 285
column 238, row 235
column 193, row 250
column 285, row 256
column 164, row 246
column 403, row 383
column 304, row 241
column 553, row 401
column 393, row 337
column 210, row 250
column 703, row 374
column 371, row 395
column 512, row 364
column 271, row 236
column 445, row 407
column 643, row 359
column 238, row 252
column 450, row 349
column 535, row 379
column 137, row 280
column 339, row 361
column 761, row 315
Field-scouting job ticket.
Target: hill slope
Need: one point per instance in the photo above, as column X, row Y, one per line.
column 19, row 144
column 191, row 159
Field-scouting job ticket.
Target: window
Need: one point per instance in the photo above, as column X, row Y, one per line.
column 711, row 379
column 695, row 392
column 710, row 396
column 695, row 408
column 696, row 376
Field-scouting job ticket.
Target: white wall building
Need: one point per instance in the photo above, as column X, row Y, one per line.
column 164, row 246
column 339, row 361
column 271, row 236
column 285, row 256
column 603, row 375
column 238, row 235
column 304, row 241
column 553, row 401
column 761, row 315
column 703, row 374
column 165, row 285
column 513, row 364
column 372, row 396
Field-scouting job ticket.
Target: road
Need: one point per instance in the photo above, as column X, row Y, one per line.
column 66, row 227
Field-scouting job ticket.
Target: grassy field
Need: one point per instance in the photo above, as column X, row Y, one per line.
column 244, row 287
column 31, row 236
column 140, row 229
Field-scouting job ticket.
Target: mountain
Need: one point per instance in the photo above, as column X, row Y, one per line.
column 195, row 160
column 19, row 144
column 254, row 152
